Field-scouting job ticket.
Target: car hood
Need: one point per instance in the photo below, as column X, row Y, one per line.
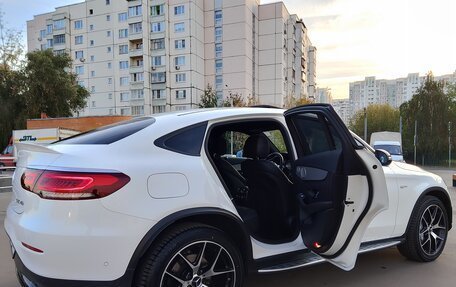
column 409, row 167
column 409, row 170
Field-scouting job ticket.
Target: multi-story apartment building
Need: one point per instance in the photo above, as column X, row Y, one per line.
column 343, row 109
column 148, row 56
column 323, row 95
column 393, row 92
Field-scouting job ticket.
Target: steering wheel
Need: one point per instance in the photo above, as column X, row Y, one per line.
column 277, row 158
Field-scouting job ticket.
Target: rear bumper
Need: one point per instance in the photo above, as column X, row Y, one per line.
column 29, row 279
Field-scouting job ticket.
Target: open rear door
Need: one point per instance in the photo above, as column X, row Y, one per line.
column 341, row 186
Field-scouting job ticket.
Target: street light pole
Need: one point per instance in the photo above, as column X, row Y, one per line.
column 449, row 144
column 414, row 143
column 365, row 124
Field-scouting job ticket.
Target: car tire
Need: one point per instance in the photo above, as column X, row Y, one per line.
column 175, row 260
column 427, row 232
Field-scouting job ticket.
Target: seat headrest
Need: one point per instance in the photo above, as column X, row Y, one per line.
column 256, row 147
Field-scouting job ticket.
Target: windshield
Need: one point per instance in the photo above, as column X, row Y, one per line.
column 392, row 149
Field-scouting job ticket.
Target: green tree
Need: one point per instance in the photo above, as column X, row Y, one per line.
column 51, row 88
column 208, row 98
column 11, row 82
column 379, row 118
column 432, row 109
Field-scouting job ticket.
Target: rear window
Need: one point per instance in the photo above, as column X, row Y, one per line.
column 110, row 134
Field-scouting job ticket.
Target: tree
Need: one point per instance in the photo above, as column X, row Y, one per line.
column 291, row 101
column 432, row 109
column 11, row 82
column 51, row 88
column 234, row 100
column 379, row 118
column 208, row 98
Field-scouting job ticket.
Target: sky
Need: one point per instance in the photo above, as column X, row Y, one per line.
column 354, row 38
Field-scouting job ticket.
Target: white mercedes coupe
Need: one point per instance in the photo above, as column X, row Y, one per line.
column 203, row 197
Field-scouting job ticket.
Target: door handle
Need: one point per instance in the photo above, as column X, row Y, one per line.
column 348, row 202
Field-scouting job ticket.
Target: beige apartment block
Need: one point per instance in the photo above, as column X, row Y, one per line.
column 149, row 56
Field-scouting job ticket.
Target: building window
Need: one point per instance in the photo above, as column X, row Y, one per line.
column 108, row 18
column 49, row 29
column 179, row 27
column 218, row 50
column 108, row 2
column 122, row 17
column 78, row 24
column 92, row 73
column 123, row 33
column 93, row 104
column 49, row 43
column 78, row 39
column 137, row 94
column 137, row 110
column 111, row 111
column 181, row 77
column 181, row 94
column 159, row 77
column 92, row 89
column 125, row 111
column 179, row 61
column 108, row 33
column 157, row 61
column 81, row 83
column 108, row 49
column 91, row 11
column 59, row 24
column 135, row 28
column 79, row 70
column 158, row 27
column 157, row 10
column 135, row 11
column 124, row 97
column 110, row 96
column 158, row 94
column 159, row 109
column 60, row 52
column 137, row 77
column 179, row 44
column 180, row 108
column 124, row 81
column 92, row 58
column 123, row 65
column 59, row 39
column 42, row 34
column 218, row 66
column 109, row 81
column 109, row 65
column 218, row 82
column 123, row 49
column 158, row 44
column 138, row 62
column 218, row 34
column 92, row 42
column 218, row 17
column 179, row 10
column 79, row 55
column 91, row 27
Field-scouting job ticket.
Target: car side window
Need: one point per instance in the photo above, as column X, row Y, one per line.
column 186, row 141
column 315, row 134
column 235, row 141
column 276, row 138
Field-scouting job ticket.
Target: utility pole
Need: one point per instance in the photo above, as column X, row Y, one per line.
column 400, row 125
column 365, row 124
column 414, row 143
column 449, row 144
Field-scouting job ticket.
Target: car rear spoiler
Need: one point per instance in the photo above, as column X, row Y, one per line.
column 32, row 148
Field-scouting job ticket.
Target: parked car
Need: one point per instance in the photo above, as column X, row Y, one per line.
column 180, row 209
column 7, row 155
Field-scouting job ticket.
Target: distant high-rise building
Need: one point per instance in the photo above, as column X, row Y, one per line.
column 343, row 109
column 142, row 56
column 393, row 92
column 323, row 95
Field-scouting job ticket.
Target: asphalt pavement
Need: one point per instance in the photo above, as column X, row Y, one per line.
column 380, row 268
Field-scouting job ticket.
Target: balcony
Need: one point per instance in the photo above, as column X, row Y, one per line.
column 135, row 35
column 135, row 52
column 136, row 84
column 136, row 68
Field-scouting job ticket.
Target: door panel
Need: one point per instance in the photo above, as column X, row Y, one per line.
column 341, row 186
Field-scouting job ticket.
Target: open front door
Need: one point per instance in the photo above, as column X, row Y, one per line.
column 341, row 186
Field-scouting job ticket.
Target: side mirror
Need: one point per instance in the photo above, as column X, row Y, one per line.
column 383, row 156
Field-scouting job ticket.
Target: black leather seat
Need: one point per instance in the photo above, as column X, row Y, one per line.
column 236, row 183
column 270, row 191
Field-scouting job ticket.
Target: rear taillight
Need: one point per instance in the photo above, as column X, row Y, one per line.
column 65, row 185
